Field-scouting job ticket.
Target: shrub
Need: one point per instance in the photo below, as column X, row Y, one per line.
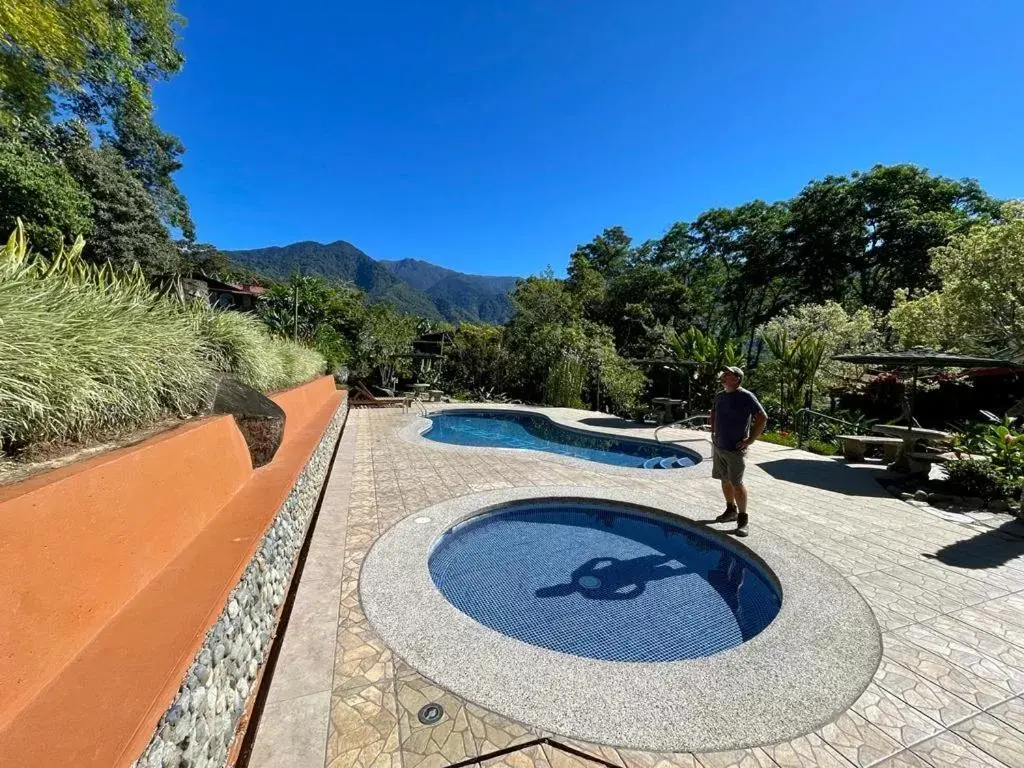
column 298, row 363
column 80, row 357
column 87, row 350
column 790, row 439
column 779, row 438
column 974, row 477
column 822, row 447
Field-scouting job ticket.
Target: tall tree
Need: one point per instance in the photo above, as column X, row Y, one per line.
column 745, row 250
column 97, row 60
column 39, row 190
column 860, row 237
column 126, row 225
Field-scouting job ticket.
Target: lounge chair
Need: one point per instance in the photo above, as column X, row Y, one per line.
column 361, row 397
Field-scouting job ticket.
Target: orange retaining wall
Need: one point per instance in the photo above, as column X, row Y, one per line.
column 113, row 570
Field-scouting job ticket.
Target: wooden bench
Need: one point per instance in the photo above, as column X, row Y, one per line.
column 856, row 446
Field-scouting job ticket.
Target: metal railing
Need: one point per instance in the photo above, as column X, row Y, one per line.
column 678, row 424
column 804, row 414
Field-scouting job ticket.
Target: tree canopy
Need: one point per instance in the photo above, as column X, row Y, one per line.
column 97, row 61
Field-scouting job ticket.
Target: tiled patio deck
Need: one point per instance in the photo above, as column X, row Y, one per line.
column 948, row 595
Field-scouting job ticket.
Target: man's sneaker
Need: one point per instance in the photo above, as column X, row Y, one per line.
column 741, row 524
column 731, row 513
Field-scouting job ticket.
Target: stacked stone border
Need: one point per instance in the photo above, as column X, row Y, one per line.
column 200, row 727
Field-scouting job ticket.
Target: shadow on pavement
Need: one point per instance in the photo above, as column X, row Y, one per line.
column 829, row 475
column 986, row 550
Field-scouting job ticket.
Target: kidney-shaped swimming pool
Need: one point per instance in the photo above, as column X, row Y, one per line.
column 503, row 429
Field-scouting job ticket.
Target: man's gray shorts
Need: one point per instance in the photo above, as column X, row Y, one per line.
column 728, row 465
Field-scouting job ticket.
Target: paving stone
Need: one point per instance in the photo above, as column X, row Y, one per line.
column 950, row 751
column 995, row 737
column 740, row 758
column 363, row 730
column 894, row 716
column 859, row 741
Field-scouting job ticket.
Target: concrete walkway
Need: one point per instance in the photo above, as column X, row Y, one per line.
column 948, row 594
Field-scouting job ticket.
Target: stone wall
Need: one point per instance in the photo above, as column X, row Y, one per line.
column 198, row 729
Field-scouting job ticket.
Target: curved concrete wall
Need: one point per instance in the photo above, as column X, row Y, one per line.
column 114, row 570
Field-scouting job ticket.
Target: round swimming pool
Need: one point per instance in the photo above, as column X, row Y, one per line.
column 603, row 581
column 510, row 429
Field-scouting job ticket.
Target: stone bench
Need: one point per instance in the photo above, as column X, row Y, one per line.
column 435, row 395
column 855, row 446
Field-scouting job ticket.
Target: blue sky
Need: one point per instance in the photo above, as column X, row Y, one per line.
column 493, row 136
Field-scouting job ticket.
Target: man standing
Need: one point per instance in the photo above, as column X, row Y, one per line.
column 731, row 435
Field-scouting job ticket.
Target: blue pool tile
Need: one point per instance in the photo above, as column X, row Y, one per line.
column 602, row 583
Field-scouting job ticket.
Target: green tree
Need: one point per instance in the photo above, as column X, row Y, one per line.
column 979, row 305
column 542, row 308
column 97, row 61
column 126, row 225
column 745, row 263
column 40, row 191
column 476, row 360
column 330, row 316
column 204, row 259
column 861, row 237
column 385, row 344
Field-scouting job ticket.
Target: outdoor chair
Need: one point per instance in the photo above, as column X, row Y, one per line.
column 362, row 397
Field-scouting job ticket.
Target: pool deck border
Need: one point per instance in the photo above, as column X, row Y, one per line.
column 412, row 432
column 807, row 667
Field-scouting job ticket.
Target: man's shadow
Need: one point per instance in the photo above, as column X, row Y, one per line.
column 609, row 578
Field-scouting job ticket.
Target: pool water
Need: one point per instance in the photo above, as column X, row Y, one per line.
column 494, row 429
column 605, row 582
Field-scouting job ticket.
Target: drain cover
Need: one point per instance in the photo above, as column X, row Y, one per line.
column 430, row 713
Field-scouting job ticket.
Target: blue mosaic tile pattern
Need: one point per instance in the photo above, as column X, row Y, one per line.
column 604, row 583
column 517, row 430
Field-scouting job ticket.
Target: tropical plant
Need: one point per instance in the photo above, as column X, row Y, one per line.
column 564, row 383
column 85, row 350
column 710, row 355
column 1000, row 444
column 795, row 363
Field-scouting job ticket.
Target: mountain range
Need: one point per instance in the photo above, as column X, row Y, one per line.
column 410, row 285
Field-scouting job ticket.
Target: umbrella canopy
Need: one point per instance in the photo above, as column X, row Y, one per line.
column 922, row 358
column 918, row 358
column 662, row 361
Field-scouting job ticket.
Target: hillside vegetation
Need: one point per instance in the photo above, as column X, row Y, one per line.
column 411, row 286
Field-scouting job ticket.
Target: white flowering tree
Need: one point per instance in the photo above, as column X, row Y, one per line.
column 802, row 342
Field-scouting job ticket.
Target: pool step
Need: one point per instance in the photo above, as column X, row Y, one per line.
column 667, row 462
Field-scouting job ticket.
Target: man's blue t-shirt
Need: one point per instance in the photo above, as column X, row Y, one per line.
column 733, row 411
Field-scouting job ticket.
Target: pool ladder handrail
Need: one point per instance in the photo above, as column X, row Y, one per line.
column 678, row 424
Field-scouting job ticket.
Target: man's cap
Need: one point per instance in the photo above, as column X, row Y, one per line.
column 734, row 369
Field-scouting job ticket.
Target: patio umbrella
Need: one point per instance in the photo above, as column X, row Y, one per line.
column 917, row 358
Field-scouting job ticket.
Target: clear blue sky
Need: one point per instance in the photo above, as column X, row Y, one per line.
column 492, row 136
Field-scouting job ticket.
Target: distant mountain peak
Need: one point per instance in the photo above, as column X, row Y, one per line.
column 412, row 285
